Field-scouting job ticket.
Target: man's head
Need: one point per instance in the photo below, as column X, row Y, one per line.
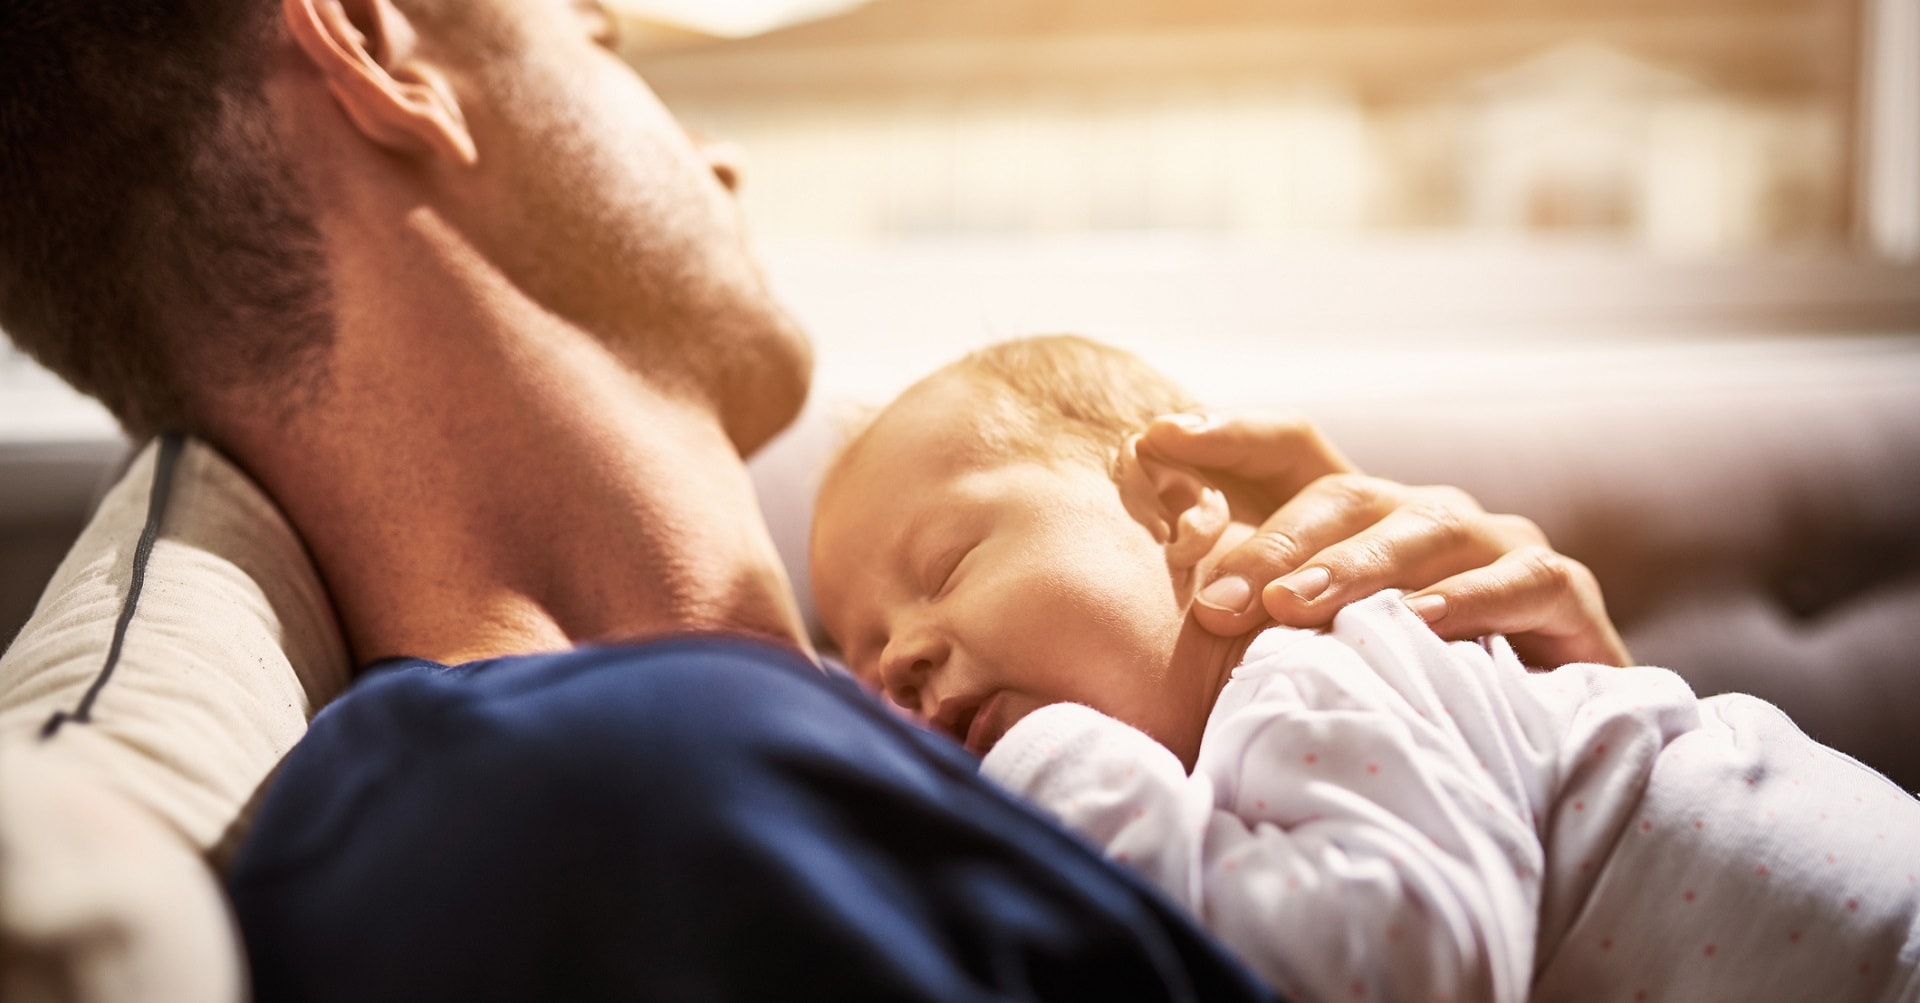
column 155, row 245
column 206, row 197
column 997, row 540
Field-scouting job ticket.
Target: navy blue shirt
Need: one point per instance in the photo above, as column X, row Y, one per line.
column 698, row 819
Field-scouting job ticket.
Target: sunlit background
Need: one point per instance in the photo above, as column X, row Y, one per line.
column 1689, row 127
column 1324, row 203
column 1201, row 179
column 1530, row 232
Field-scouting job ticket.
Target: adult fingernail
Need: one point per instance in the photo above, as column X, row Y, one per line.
column 1429, row 608
column 1307, row 584
column 1232, row 594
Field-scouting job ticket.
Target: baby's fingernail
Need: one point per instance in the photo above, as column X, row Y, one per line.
column 1192, row 422
column 1429, row 608
column 1307, row 584
column 1232, row 594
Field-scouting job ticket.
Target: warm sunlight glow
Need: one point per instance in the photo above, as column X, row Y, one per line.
column 733, row 18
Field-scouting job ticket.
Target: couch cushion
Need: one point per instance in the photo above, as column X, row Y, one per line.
column 106, row 817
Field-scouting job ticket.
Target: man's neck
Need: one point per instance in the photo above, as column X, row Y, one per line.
column 481, row 480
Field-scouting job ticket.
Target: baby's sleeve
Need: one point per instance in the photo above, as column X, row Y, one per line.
column 1360, row 824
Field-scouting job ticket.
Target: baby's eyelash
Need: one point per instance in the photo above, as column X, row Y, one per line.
column 948, row 564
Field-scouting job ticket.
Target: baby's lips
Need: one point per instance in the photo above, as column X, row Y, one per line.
column 995, row 718
column 954, row 716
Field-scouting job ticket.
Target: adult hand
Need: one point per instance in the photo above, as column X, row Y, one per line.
column 1337, row 535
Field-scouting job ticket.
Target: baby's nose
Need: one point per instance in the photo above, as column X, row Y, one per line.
column 906, row 685
column 907, row 666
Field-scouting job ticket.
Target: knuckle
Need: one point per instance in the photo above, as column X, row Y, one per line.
column 1357, row 490
column 1445, row 523
column 1333, row 485
column 1548, row 568
column 1579, row 575
column 1358, row 559
column 1271, row 551
column 1449, row 497
column 1519, row 527
column 1381, row 487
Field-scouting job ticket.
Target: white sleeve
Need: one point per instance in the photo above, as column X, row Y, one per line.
column 1360, row 824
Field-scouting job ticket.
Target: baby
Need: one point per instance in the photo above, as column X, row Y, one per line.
column 1366, row 813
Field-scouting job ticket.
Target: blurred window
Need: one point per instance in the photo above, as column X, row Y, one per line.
column 1682, row 126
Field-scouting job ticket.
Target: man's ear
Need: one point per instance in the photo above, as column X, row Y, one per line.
column 368, row 53
column 1182, row 509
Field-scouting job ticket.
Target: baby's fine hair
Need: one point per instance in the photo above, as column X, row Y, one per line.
column 1064, row 396
column 1054, row 398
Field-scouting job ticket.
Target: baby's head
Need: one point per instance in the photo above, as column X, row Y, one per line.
column 998, row 540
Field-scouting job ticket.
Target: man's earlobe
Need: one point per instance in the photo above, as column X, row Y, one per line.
column 366, row 51
column 1183, row 510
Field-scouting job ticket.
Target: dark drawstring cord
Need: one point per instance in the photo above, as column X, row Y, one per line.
column 171, row 446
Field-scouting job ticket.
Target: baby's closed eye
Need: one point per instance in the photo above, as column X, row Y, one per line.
column 945, row 563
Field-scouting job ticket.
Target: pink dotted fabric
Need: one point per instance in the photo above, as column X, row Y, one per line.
column 1738, row 858
column 1377, row 814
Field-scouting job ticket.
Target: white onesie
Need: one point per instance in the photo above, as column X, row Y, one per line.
column 1376, row 814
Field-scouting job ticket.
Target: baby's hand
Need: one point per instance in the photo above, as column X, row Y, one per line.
column 1337, row 535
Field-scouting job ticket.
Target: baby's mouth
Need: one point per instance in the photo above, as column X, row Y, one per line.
column 987, row 724
column 973, row 720
column 955, row 715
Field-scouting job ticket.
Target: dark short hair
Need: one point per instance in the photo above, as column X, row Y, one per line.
column 155, row 247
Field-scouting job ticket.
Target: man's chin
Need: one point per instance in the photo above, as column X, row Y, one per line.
column 768, row 400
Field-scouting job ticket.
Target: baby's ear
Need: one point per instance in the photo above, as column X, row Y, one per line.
column 1182, row 509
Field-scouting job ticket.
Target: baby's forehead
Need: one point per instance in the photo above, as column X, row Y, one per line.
column 944, row 433
column 935, row 423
